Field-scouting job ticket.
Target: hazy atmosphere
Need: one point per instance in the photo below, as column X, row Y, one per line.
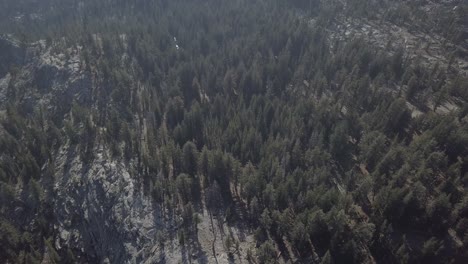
column 241, row 131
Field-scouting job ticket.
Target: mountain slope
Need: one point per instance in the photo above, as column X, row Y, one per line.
column 232, row 132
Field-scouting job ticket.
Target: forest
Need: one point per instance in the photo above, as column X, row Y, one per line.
column 327, row 150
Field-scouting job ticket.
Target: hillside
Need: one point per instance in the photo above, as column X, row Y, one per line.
column 245, row 131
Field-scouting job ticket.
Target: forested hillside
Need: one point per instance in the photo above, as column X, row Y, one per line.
column 242, row 131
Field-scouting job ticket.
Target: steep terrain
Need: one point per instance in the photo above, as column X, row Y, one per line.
column 98, row 207
column 233, row 132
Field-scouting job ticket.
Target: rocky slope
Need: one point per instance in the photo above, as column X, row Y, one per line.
column 101, row 212
column 81, row 199
column 418, row 31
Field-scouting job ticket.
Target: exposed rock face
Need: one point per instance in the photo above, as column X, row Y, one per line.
column 44, row 79
column 100, row 210
column 4, row 82
column 12, row 55
column 426, row 46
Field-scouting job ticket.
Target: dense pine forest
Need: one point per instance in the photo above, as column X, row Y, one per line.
column 296, row 130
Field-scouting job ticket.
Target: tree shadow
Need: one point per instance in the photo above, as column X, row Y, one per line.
column 196, row 251
column 241, row 214
column 220, row 222
column 162, row 256
column 185, row 254
column 231, row 258
column 282, row 248
column 164, row 221
column 71, row 154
